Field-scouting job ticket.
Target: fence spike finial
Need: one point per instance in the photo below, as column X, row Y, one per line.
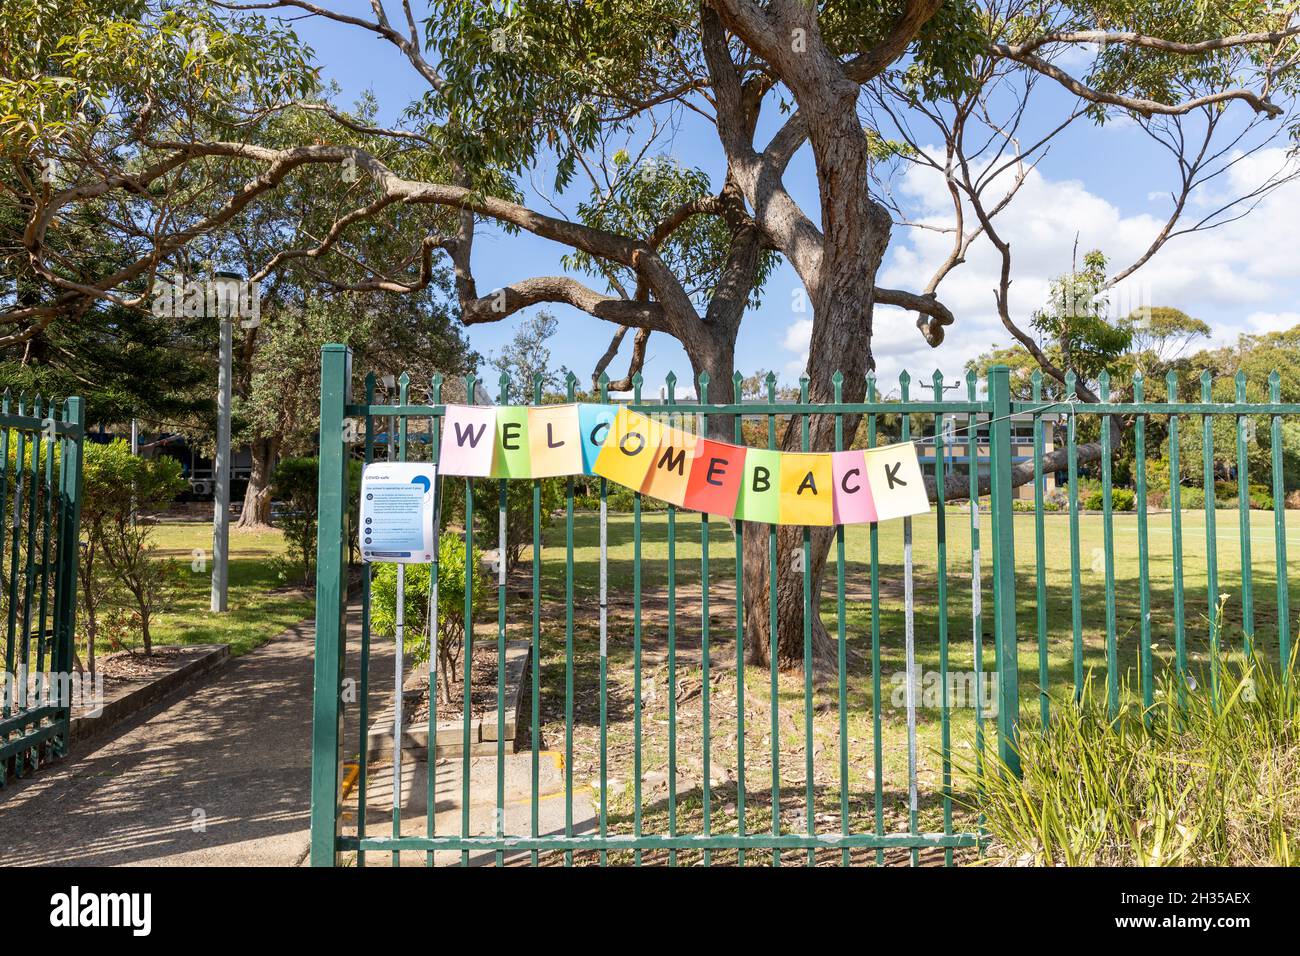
column 1171, row 386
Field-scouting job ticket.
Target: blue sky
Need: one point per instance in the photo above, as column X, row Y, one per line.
column 1106, row 186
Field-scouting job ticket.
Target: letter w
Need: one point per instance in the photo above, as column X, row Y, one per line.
column 463, row 430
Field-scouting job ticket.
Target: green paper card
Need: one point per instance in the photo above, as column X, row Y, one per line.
column 510, row 458
column 760, row 492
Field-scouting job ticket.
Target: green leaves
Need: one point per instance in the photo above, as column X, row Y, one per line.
column 75, row 68
column 645, row 195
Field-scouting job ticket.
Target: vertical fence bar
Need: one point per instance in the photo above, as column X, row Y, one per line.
column 1040, row 553
column 536, row 662
column 571, row 381
column 435, row 455
column 12, row 700
column 1245, row 436
column 1211, row 534
column 467, row 643
column 1108, row 546
column 809, row 608
column 363, row 670
column 6, row 690
column 1144, row 547
column 941, row 571
column 1004, row 566
column 773, row 648
column 1279, row 530
column 909, row 639
column 976, row 576
column 737, row 397
column 1176, row 534
column 841, row 661
column 1076, row 597
column 670, row 381
column 331, row 606
column 636, row 651
column 877, row 743
column 502, row 544
column 399, row 631
column 29, row 573
column 603, row 386
column 74, row 416
column 48, row 495
column 707, row 726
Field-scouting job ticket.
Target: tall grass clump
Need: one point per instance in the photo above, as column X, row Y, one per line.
column 1203, row 777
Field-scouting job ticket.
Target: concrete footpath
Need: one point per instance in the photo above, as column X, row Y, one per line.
column 219, row 775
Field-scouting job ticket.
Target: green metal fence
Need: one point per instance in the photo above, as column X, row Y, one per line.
column 901, row 599
column 40, row 511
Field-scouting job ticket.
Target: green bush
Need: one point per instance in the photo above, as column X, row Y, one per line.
column 119, row 563
column 1121, row 499
column 1189, row 782
column 487, row 510
column 451, row 605
column 295, row 484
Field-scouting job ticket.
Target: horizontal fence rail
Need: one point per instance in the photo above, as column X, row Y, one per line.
column 40, row 484
column 866, row 763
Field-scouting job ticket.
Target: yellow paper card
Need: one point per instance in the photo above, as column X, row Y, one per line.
column 807, row 491
column 629, row 449
column 555, row 440
column 896, row 483
column 671, row 469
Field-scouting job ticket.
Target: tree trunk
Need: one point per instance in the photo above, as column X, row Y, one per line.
column 256, row 514
column 856, row 234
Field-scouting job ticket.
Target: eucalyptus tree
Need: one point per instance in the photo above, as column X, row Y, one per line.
column 593, row 87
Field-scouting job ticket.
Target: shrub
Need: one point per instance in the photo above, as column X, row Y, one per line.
column 119, row 564
column 295, row 483
column 1189, row 782
column 1121, row 499
column 451, row 605
column 487, row 511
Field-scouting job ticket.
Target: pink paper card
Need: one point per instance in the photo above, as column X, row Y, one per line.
column 468, row 439
column 853, row 501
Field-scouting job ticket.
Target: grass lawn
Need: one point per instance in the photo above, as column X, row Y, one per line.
column 261, row 603
column 792, row 736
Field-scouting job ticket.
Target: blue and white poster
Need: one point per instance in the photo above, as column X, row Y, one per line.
column 397, row 512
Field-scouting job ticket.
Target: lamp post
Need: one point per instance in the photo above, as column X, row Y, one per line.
column 228, row 286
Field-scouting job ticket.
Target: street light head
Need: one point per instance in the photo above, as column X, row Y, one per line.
column 229, row 286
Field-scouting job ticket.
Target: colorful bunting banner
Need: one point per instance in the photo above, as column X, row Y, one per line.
column 628, row 448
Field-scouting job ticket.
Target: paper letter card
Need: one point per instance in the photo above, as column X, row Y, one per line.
column 760, row 490
column 468, row 440
column 671, row 468
column 853, row 502
column 594, row 421
column 510, row 458
column 397, row 512
column 806, row 489
column 629, row 449
column 555, row 440
column 896, row 483
column 716, row 476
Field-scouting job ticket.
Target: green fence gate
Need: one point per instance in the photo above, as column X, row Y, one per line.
column 869, row 767
column 40, row 513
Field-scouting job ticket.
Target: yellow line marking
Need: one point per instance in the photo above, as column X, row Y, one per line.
column 350, row 778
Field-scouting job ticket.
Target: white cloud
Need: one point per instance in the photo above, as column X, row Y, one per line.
column 1260, row 322
column 1241, row 277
